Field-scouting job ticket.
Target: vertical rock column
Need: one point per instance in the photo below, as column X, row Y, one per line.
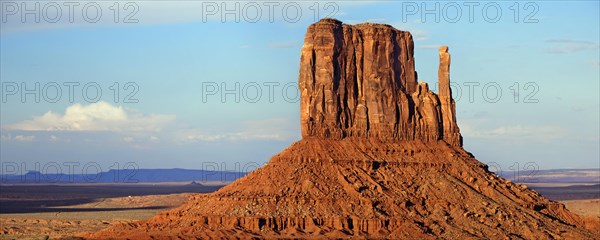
column 356, row 81
column 451, row 132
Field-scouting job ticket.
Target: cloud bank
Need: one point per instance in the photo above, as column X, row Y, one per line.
column 99, row 116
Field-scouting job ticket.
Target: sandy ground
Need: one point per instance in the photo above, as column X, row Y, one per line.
column 68, row 223
column 586, row 207
column 59, row 211
column 77, row 213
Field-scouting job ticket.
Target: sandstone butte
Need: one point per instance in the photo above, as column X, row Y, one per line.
column 380, row 157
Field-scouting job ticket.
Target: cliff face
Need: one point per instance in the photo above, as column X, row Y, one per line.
column 360, row 81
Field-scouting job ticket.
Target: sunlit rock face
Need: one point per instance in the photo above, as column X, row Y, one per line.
column 360, row 81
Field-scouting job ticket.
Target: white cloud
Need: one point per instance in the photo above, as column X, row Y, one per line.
column 269, row 129
column 430, row 46
column 23, row 138
column 99, row 116
column 127, row 139
column 235, row 136
column 17, row 138
column 55, row 138
column 514, row 132
column 562, row 46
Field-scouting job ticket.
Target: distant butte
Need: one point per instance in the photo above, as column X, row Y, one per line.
column 381, row 157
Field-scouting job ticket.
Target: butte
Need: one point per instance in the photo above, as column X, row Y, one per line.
column 381, row 156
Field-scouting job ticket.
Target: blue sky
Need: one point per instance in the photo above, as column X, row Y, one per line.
column 168, row 60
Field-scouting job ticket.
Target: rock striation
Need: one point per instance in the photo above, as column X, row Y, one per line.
column 380, row 157
column 360, row 81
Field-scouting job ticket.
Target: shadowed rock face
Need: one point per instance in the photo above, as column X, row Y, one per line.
column 360, row 81
column 380, row 157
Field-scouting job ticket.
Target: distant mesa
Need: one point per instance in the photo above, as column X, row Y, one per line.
column 381, row 157
column 194, row 184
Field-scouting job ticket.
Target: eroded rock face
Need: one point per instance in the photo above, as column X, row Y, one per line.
column 360, row 81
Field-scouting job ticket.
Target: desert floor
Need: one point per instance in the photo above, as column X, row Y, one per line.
column 61, row 211
column 586, row 207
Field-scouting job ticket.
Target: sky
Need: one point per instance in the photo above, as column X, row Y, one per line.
column 183, row 84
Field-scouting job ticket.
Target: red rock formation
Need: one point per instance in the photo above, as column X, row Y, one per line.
column 450, row 128
column 360, row 81
column 380, row 158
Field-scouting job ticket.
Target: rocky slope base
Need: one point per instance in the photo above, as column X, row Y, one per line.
column 359, row 187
